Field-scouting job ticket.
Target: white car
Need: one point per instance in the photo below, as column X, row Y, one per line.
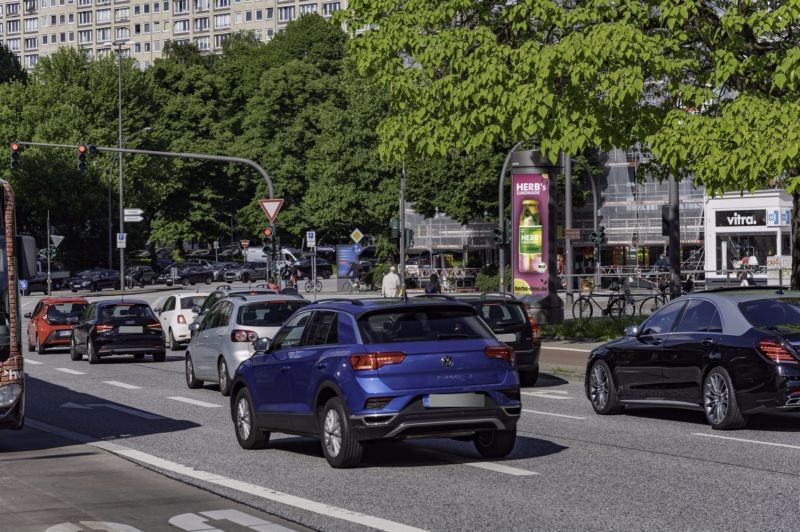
column 175, row 314
column 224, row 336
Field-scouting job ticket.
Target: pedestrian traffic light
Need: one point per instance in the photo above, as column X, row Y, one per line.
column 498, row 235
column 82, row 149
column 14, row 156
column 408, row 234
column 394, row 224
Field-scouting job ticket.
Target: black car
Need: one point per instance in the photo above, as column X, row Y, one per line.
column 728, row 353
column 118, row 327
column 94, row 280
column 187, row 275
column 140, row 275
column 303, row 267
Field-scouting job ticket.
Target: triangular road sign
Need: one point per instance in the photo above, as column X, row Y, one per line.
column 271, row 207
column 57, row 239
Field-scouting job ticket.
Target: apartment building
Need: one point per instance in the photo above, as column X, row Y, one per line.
column 37, row 28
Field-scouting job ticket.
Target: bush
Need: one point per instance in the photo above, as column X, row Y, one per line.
column 488, row 280
column 375, row 277
column 595, row 329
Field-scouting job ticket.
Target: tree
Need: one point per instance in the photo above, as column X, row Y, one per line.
column 10, row 67
column 711, row 87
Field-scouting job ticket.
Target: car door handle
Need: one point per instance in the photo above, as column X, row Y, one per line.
column 284, row 369
column 322, row 365
column 708, row 342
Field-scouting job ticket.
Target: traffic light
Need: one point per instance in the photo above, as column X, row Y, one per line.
column 267, row 232
column 93, row 150
column 82, row 149
column 394, row 224
column 408, row 234
column 599, row 236
column 14, row 156
column 498, row 236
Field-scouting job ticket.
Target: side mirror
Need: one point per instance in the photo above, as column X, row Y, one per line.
column 262, row 344
column 632, row 330
column 196, row 309
column 194, row 327
column 27, row 315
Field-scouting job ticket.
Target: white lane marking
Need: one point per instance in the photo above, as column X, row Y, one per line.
column 238, row 485
column 199, row 522
column 34, row 362
column 771, row 444
column 123, row 385
column 548, row 394
column 566, row 349
column 551, row 414
column 491, row 466
column 70, row 371
column 194, row 402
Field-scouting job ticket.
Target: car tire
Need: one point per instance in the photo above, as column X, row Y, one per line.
column 93, row 287
column 224, row 378
column 118, row 285
column 245, row 278
column 339, row 444
column 31, row 347
column 192, row 382
column 39, row 346
column 160, row 357
column 138, row 356
column 185, row 281
column 209, row 280
column 601, row 390
column 74, row 354
column 75, row 290
column 94, row 358
column 719, row 401
column 248, row 434
column 495, row 443
column 173, row 345
column 528, row 378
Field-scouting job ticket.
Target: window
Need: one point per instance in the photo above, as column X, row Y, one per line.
column 330, row 8
column 12, row 9
column 219, row 40
column 308, row 8
column 146, row 8
column 222, row 21
column 62, row 37
column 156, row 7
column 222, row 3
column 269, row 13
column 136, row 9
column 122, row 33
column 84, row 17
column 259, row 14
column 291, row 334
column 12, row 26
column 239, row 17
column 31, row 43
column 103, row 16
column 203, row 43
column 146, row 28
column 43, row 21
column 53, row 20
column 72, row 18
column 180, row 6
column 137, row 48
column 156, row 27
column 137, row 29
column 202, row 5
column 72, row 36
column 323, row 329
column 698, row 317
column 421, row 324
column 285, row 14
column 31, row 24
column 62, row 19
column 147, row 47
column 248, row 16
column 104, row 35
column 44, row 39
column 122, row 15
column 85, row 37
column 169, row 304
column 165, row 7
column 84, row 3
column 258, row 35
column 156, row 46
column 31, row 60
column 13, row 44
column 662, row 321
column 269, row 33
column 201, row 24
column 181, row 26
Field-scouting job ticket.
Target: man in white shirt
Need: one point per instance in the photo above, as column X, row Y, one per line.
column 390, row 286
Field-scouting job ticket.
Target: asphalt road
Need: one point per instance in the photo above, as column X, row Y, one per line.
column 647, row 469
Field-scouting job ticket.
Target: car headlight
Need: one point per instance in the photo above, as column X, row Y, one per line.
column 9, row 393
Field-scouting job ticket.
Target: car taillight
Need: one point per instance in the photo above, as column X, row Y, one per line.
column 181, row 319
column 535, row 331
column 154, row 326
column 505, row 353
column 241, row 335
column 512, row 393
column 774, row 351
column 368, row 361
column 102, row 327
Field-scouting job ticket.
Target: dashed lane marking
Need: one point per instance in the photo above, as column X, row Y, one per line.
column 123, row 385
column 70, row 371
column 194, row 402
column 34, row 362
column 743, row 440
column 552, row 414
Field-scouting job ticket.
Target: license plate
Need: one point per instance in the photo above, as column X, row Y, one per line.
column 454, row 400
column 508, row 337
column 65, row 333
column 129, row 329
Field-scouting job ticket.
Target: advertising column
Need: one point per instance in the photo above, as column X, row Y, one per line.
column 531, row 253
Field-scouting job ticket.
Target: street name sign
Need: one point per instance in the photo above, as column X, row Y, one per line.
column 271, row 207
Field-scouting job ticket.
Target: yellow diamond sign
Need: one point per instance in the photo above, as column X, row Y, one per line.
column 356, row 235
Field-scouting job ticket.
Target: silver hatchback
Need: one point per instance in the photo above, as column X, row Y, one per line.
column 224, row 337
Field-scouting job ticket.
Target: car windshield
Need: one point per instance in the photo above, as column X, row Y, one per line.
column 421, row 324
column 499, row 314
column 267, row 313
column 189, row 302
column 63, row 313
column 777, row 313
column 134, row 310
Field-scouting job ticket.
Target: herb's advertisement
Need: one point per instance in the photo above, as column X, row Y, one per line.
column 529, row 221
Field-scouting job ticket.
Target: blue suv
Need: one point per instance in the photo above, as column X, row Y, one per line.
column 349, row 371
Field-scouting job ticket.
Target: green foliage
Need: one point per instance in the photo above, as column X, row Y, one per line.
column 10, row 67
column 595, row 329
column 488, row 279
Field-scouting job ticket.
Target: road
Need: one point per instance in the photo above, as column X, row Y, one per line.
column 647, row 469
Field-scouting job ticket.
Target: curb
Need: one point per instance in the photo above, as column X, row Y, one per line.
column 571, row 373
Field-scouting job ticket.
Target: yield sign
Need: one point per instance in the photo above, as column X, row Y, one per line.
column 56, row 239
column 271, row 207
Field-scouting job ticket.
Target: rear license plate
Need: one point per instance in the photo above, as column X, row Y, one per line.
column 129, row 329
column 65, row 333
column 454, row 400
column 509, row 337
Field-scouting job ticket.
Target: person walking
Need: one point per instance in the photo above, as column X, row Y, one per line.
column 433, row 285
column 390, row 286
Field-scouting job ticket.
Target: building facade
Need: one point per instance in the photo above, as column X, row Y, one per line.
column 37, row 28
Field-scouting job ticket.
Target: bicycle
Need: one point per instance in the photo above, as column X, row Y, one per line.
column 652, row 303
column 617, row 305
column 353, row 285
column 311, row 287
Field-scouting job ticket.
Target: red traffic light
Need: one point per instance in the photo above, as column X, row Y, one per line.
column 14, row 146
column 82, row 148
column 267, row 232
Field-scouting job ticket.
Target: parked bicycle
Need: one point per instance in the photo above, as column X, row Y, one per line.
column 311, row 287
column 616, row 305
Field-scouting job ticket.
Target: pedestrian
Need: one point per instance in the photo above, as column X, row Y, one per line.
column 662, row 264
column 272, row 284
column 390, row 286
column 433, row 286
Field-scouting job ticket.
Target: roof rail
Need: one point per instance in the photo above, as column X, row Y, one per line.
column 442, row 296
column 504, row 295
column 339, row 300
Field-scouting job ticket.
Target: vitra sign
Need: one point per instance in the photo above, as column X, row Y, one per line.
column 738, row 218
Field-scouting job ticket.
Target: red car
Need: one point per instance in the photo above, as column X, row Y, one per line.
column 52, row 322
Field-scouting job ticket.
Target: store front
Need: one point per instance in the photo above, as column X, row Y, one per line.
column 745, row 233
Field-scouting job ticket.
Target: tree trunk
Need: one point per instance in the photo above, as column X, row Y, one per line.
column 795, row 240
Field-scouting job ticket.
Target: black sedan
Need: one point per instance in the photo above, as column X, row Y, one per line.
column 303, row 268
column 187, row 275
column 118, row 327
column 729, row 353
column 95, row 280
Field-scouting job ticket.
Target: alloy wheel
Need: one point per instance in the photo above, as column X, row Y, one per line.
column 598, row 386
column 716, row 398
column 333, row 432
column 243, row 418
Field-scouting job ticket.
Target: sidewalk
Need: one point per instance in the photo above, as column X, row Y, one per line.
column 567, row 359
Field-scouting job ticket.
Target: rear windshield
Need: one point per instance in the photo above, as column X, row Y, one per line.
column 64, row 313
column 126, row 311
column 501, row 314
column 189, row 302
column 421, row 324
column 267, row 313
column 783, row 313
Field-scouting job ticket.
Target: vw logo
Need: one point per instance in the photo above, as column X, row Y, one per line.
column 447, row 361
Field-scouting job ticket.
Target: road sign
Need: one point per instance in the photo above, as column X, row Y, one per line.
column 133, row 218
column 357, row 249
column 56, row 239
column 356, row 235
column 23, row 284
column 216, row 244
column 133, row 212
column 572, row 234
column 271, row 207
column 245, row 244
column 122, row 240
column 311, row 238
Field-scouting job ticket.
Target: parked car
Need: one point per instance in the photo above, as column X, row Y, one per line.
column 365, row 370
column 219, row 269
column 246, row 272
column 187, row 275
column 324, row 268
column 37, row 284
column 118, row 327
column 140, row 275
column 176, row 313
column 508, row 318
column 728, row 353
column 52, row 320
column 95, row 280
column 226, row 334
